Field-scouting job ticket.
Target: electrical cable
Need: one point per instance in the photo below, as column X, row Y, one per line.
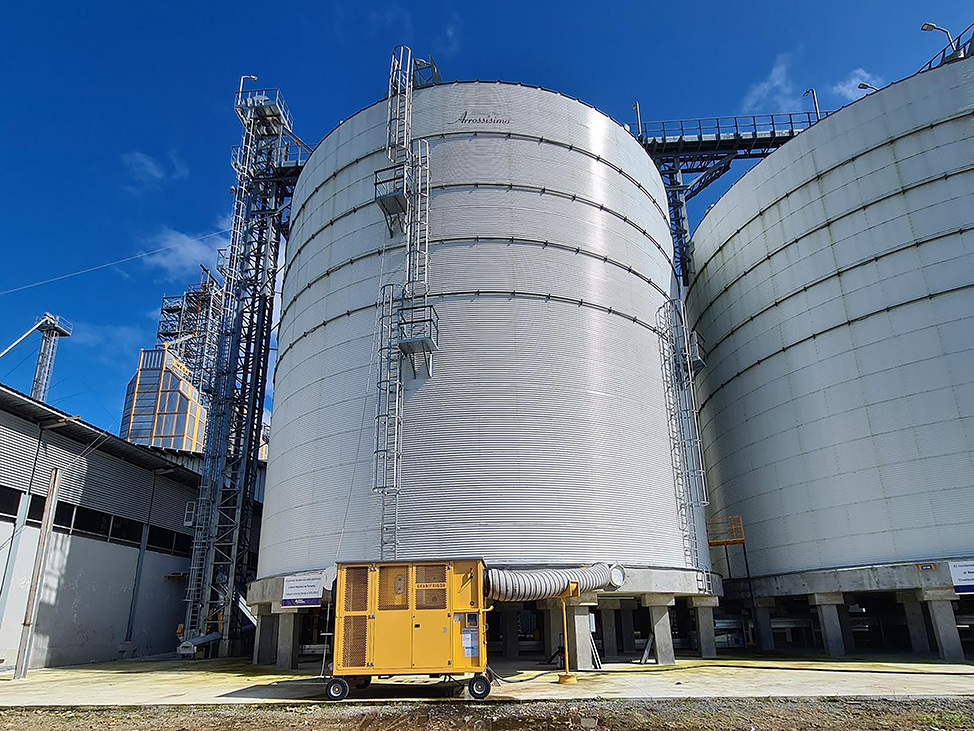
column 365, row 403
column 111, row 263
column 21, row 362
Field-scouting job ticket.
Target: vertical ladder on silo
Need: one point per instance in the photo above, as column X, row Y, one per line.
column 407, row 322
column 388, row 423
column 686, row 455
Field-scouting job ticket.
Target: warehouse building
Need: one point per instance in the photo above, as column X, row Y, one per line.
column 113, row 583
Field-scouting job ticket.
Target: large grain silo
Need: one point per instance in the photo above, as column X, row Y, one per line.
column 835, row 293
column 540, row 439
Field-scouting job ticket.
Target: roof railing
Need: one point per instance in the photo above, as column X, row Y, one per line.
column 730, row 127
column 960, row 48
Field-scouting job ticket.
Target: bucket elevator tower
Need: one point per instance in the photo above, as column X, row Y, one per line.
column 267, row 163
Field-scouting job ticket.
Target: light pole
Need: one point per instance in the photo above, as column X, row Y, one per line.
column 866, row 87
column 243, row 79
column 818, row 113
column 639, row 121
column 928, row 27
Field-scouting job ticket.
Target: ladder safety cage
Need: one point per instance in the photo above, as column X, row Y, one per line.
column 267, row 163
column 689, row 475
column 408, row 323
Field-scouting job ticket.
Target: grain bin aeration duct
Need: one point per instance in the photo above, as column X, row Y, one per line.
column 526, row 586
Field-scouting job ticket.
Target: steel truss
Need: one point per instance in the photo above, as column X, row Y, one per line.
column 706, row 148
column 191, row 323
column 267, row 163
column 689, row 475
column 52, row 328
column 408, row 324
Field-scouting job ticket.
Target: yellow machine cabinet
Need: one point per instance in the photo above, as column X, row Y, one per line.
column 409, row 618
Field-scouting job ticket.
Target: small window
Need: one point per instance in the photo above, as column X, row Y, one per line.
column 35, row 513
column 92, row 522
column 125, row 530
column 183, row 545
column 63, row 515
column 161, row 539
column 9, row 502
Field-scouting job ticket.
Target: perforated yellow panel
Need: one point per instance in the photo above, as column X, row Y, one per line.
column 431, row 586
column 357, row 589
column 356, row 641
column 393, row 587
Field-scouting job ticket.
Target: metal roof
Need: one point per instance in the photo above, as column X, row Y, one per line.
column 37, row 412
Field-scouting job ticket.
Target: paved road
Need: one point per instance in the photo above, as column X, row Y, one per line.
column 141, row 682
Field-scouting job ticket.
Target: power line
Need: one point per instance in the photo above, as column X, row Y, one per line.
column 112, row 263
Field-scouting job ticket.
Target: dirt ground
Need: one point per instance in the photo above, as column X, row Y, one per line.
column 837, row 714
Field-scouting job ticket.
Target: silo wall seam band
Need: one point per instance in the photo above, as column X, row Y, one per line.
column 498, row 186
column 821, row 174
column 526, row 586
column 826, row 224
column 858, row 318
column 477, row 239
column 503, row 135
column 480, row 293
column 831, row 275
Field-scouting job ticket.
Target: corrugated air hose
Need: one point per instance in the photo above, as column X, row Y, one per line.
column 524, row 586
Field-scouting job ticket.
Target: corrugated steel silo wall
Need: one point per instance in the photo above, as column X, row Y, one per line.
column 836, row 295
column 541, row 437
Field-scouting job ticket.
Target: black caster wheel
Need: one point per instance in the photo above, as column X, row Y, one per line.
column 362, row 682
column 479, row 687
column 336, row 689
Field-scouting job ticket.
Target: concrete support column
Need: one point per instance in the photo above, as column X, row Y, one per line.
column 703, row 606
column 845, row 622
column 628, row 628
column 265, row 640
column 607, row 613
column 762, row 622
column 579, row 638
column 826, row 605
column 940, row 605
column 288, row 635
column 552, row 628
column 659, row 619
column 915, row 623
column 509, row 630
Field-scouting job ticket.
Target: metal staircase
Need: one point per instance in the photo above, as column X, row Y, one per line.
column 408, row 325
column 689, row 476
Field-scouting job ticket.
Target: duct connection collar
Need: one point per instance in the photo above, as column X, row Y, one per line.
column 525, row 586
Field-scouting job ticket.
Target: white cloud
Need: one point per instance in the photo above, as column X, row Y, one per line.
column 775, row 94
column 393, row 17
column 453, row 36
column 117, row 345
column 148, row 172
column 183, row 253
column 143, row 168
column 849, row 87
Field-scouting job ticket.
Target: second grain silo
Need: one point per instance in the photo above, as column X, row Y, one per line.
column 834, row 292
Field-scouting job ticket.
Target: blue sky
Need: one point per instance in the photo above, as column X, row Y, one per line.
column 118, row 121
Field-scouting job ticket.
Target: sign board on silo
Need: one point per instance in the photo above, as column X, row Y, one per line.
column 962, row 576
column 303, row 590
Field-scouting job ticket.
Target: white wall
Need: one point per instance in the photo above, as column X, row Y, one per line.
column 835, row 292
column 85, row 598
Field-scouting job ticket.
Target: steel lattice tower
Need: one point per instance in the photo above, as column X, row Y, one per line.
column 267, row 163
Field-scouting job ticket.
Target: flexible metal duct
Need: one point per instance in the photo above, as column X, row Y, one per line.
column 525, row 586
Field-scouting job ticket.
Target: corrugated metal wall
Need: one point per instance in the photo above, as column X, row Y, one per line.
column 96, row 480
column 541, row 437
column 836, row 295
